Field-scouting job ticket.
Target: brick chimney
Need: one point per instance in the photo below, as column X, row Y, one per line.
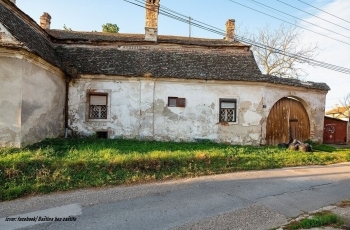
column 230, row 30
column 45, row 21
column 151, row 28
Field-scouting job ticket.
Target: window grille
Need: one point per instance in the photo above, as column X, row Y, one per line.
column 228, row 110
column 98, row 106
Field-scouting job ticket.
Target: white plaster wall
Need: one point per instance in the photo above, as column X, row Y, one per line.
column 138, row 109
column 123, row 110
column 43, row 101
column 200, row 118
column 10, row 101
column 32, row 98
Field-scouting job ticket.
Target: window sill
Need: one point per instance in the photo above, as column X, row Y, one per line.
column 226, row 123
column 99, row 120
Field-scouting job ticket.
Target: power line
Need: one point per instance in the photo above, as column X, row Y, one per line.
column 290, row 23
column 248, row 41
column 266, row 8
column 312, row 15
column 299, row 19
column 183, row 18
column 324, row 11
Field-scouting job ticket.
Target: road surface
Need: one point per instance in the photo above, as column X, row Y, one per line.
column 243, row 200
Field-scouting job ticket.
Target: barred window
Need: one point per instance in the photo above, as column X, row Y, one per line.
column 228, row 108
column 98, row 106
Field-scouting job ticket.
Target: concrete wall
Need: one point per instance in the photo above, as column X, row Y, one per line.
column 32, row 98
column 138, row 108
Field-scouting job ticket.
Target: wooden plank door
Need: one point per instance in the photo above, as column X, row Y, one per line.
column 287, row 119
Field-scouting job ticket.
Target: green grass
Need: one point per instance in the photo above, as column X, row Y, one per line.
column 317, row 220
column 65, row 164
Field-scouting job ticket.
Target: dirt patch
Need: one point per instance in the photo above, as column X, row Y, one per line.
column 344, row 204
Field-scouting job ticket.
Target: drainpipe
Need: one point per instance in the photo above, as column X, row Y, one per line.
column 66, row 110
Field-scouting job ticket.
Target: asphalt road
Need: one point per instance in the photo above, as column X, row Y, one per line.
column 244, row 200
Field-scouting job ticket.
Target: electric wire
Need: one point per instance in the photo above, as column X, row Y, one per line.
column 299, row 19
column 266, row 8
column 248, row 41
column 290, row 23
column 216, row 30
column 324, row 11
column 312, row 15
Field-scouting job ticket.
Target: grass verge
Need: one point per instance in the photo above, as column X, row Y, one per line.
column 64, row 164
column 320, row 219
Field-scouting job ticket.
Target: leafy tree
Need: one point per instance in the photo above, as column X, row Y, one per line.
column 288, row 39
column 110, row 28
column 66, row 28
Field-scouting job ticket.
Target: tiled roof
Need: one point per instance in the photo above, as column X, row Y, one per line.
column 112, row 60
column 66, row 36
column 130, row 55
column 28, row 33
column 295, row 82
column 109, row 60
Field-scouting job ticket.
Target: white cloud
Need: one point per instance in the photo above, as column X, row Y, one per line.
column 332, row 52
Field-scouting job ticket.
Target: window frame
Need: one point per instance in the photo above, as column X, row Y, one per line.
column 180, row 102
column 230, row 100
column 89, row 106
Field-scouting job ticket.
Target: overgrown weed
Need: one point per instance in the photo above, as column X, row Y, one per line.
column 63, row 164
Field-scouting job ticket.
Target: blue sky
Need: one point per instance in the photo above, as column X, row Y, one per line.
column 90, row 15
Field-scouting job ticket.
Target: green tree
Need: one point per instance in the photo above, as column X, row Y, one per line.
column 110, row 28
column 66, row 28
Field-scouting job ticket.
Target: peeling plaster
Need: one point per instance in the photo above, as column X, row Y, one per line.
column 251, row 118
column 139, row 110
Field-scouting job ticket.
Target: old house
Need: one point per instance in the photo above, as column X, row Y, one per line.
column 342, row 112
column 144, row 86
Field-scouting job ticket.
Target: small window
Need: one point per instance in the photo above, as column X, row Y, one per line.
column 176, row 102
column 102, row 134
column 98, row 106
column 228, row 108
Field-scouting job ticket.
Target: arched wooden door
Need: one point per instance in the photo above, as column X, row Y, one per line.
column 287, row 119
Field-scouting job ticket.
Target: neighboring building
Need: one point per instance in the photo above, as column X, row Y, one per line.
column 342, row 113
column 144, row 86
column 335, row 131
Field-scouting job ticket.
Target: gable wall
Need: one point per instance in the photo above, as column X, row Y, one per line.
column 43, row 101
column 10, row 101
column 138, row 108
column 32, row 97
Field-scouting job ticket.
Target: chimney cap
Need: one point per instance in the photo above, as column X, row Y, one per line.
column 45, row 14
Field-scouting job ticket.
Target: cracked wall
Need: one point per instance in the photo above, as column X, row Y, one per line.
column 138, row 109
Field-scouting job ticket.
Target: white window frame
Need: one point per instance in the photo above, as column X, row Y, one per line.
column 228, row 98
column 107, row 93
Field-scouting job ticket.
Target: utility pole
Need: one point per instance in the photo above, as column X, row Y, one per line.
column 189, row 26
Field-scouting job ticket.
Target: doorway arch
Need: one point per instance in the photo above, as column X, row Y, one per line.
column 287, row 119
